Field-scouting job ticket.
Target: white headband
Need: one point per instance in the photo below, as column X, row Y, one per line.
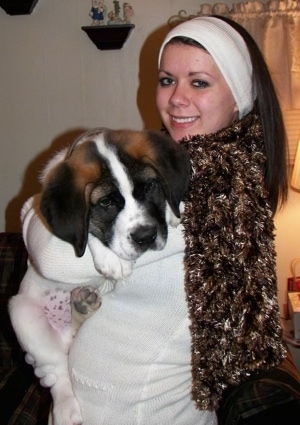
column 228, row 50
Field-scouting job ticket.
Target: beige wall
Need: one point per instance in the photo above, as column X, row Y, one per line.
column 54, row 83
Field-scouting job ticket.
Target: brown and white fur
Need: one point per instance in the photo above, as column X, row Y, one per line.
column 114, row 191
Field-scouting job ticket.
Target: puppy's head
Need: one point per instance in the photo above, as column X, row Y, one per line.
column 163, row 154
column 87, row 171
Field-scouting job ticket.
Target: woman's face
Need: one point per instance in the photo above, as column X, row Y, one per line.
column 192, row 95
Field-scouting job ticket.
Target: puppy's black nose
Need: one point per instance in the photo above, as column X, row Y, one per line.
column 144, row 236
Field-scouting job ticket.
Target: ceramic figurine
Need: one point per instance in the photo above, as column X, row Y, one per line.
column 128, row 12
column 98, row 12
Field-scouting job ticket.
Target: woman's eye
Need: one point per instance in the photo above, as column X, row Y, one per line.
column 165, row 81
column 200, row 84
column 105, row 202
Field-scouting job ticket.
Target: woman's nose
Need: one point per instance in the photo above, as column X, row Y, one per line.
column 179, row 96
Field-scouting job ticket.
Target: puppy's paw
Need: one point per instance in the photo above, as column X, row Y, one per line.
column 67, row 412
column 112, row 266
column 107, row 262
column 86, row 300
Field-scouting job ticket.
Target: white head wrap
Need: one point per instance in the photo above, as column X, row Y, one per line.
column 229, row 51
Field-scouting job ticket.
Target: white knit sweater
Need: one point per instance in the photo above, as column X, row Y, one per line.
column 130, row 362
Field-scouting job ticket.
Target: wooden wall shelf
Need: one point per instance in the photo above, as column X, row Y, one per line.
column 18, row 7
column 109, row 37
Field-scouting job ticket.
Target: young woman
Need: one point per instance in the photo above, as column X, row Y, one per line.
column 202, row 314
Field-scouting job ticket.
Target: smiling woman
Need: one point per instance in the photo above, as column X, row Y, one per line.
column 234, row 81
column 210, row 86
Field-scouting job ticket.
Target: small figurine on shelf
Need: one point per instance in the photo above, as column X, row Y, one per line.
column 117, row 8
column 114, row 16
column 98, row 12
column 128, row 12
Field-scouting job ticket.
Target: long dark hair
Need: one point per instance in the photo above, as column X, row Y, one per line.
column 268, row 109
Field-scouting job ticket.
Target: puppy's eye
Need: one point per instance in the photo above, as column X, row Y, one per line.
column 105, row 202
column 149, row 185
column 144, row 189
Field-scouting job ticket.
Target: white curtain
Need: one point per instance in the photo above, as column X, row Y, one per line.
column 275, row 26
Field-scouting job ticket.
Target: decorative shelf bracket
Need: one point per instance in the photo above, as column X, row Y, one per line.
column 109, row 37
column 18, row 7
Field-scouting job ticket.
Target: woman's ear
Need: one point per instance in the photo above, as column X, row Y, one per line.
column 235, row 112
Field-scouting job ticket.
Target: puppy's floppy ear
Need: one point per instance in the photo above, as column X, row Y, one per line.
column 172, row 162
column 66, row 194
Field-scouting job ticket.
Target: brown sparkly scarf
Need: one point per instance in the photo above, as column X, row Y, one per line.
column 230, row 281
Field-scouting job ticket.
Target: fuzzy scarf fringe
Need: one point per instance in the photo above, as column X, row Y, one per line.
column 230, row 282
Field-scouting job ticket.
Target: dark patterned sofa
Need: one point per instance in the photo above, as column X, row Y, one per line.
column 263, row 400
column 22, row 400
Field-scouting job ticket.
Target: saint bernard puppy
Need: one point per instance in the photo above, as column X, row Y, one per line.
column 114, row 191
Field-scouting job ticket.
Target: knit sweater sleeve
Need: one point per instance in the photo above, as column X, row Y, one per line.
column 53, row 258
